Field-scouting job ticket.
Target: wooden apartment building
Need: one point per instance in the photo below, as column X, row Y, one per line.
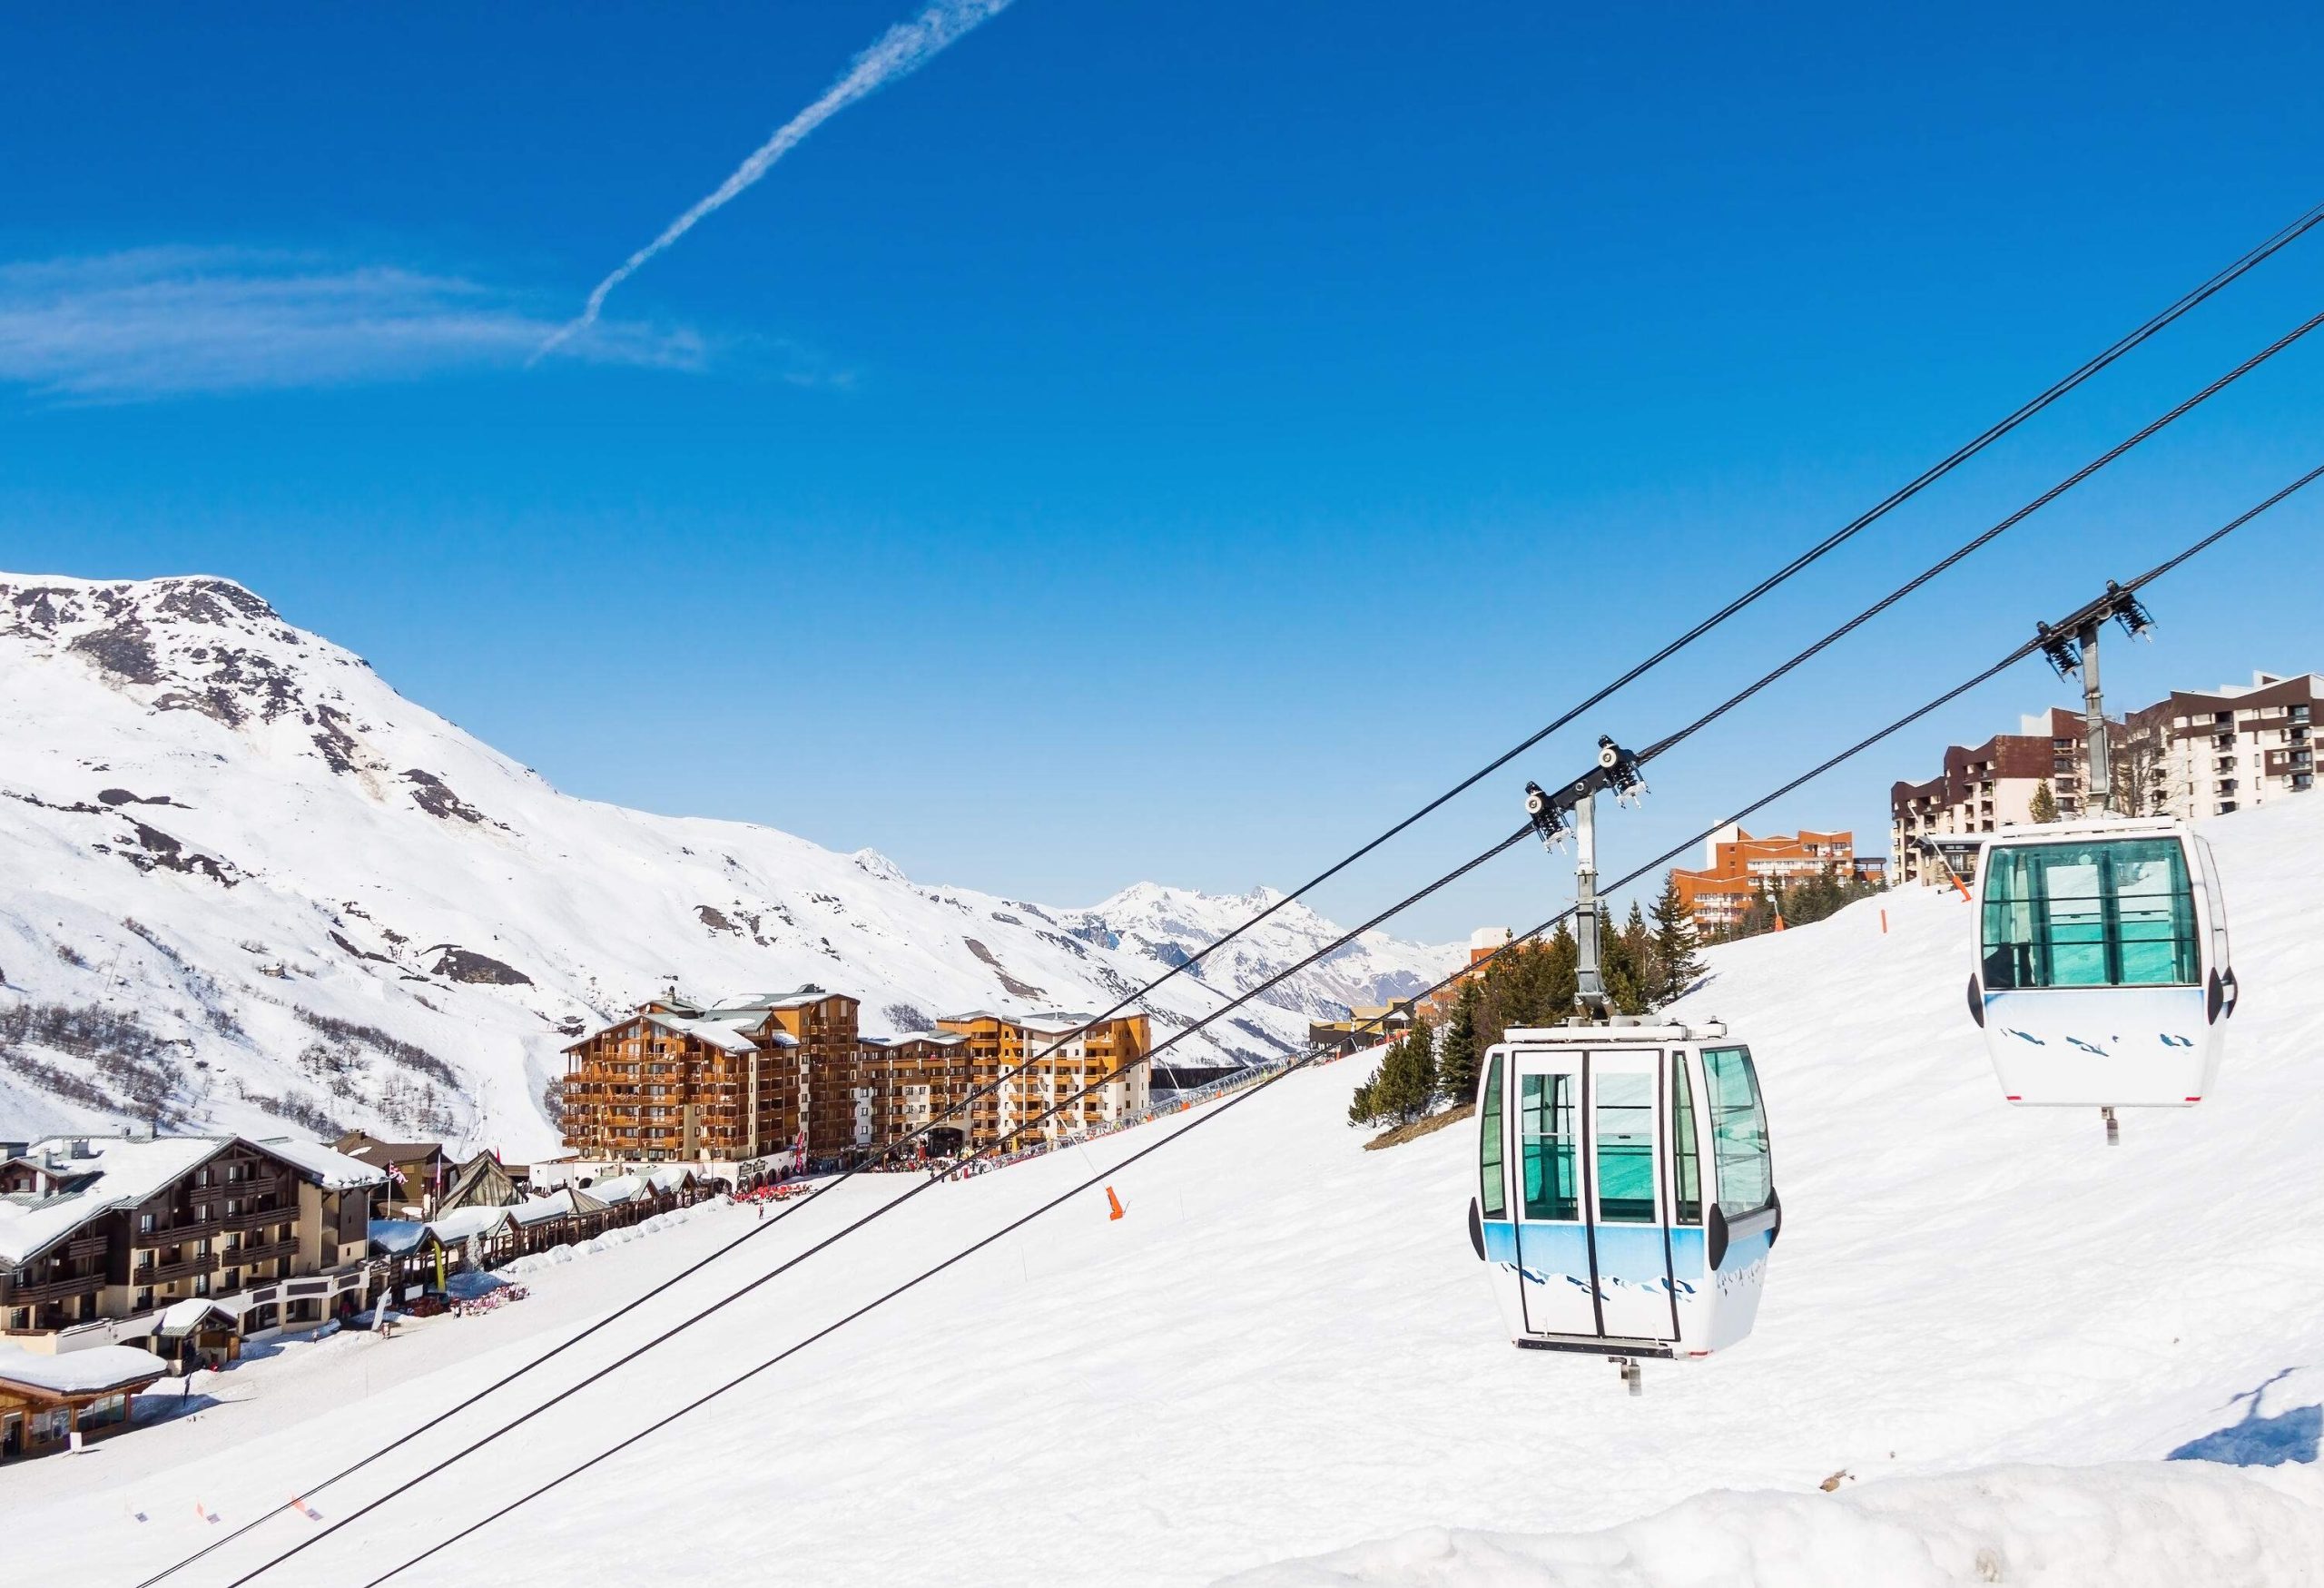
column 135, row 1237
column 726, row 1082
column 912, row 1082
column 1110, row 1052
column 735, row 1081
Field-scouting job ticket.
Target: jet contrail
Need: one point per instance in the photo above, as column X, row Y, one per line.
column 903, row 48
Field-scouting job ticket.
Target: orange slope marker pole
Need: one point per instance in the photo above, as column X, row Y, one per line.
column 1113, row 1202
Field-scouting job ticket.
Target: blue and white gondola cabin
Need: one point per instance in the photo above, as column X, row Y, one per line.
column 1626, row 1199
column 2102, row 976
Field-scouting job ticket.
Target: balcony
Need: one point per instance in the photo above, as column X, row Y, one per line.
column 87, row 1246
column 252, row 1217
column 267, row 1253
column 57, row 1289
column 161, row 1273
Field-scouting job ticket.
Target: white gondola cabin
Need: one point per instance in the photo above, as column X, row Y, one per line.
column 1626, row 1198
column 2103, row 977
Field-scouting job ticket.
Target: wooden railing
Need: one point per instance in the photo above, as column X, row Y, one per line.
column 57, row 1289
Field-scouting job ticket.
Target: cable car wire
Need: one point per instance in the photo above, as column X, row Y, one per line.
column 2016, row 655
column 2224, row 530
column 2144, row 332
column 1463, row 869
column 2145, row 432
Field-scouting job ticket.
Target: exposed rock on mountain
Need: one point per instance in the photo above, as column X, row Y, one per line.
column 243, row 882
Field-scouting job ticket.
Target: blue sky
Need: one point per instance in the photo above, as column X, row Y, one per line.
column 1161, row 440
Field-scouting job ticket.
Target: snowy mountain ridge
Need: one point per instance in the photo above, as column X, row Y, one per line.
column 243, row 883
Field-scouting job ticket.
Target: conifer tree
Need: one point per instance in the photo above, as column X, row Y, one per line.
column 1618, row 966
column 1675, row 964
column 1560, row 960
column 1460, row 1051
column 2045, row 803
column 1406, row 1086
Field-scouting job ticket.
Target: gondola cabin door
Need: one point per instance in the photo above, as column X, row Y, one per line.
column 1586, row 1146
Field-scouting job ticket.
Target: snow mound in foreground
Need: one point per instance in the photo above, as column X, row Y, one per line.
column 2128, row 1525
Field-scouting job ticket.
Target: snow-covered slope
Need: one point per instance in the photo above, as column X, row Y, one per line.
column 243, row 882
column 1284, row 1349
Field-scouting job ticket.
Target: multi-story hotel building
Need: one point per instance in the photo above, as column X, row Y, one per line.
column 2194, row 754
column 1736, row 866
column 1053, row 1057
column 1989, row 787
column 2207, row 754
column 726, row 1083
column 108, row 1239
column 911, row 1083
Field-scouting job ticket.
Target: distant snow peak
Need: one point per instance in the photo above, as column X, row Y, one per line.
column 872, row 863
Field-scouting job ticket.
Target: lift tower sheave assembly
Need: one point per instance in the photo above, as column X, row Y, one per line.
column 1574, row 808
column 2071, row 646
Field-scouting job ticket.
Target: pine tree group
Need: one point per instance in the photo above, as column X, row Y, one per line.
column 1646, row 962
column 1404, row 1086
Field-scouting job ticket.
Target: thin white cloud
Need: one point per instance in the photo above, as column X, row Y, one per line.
column 901, row 51
column 169, row 322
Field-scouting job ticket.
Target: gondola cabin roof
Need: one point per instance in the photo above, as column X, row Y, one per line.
column 2088, row 828
column 1620, row 1030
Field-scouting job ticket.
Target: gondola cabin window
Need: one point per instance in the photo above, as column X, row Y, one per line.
column 1685, row 1163
column 1548, row 1123
column 2116, row 912
column 1493, row 1200
column 1625, row 1103
column 1738, row 1131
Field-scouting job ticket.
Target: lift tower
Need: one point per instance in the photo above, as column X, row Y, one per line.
column 1616, row 772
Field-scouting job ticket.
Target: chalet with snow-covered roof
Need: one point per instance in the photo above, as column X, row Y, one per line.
column 100, row 1236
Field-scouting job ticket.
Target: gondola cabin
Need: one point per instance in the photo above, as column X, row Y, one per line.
column 1626, row 1198
column 2102, row 976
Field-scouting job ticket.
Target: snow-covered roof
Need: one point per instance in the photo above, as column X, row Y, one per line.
column 667, row 1176
column 125, row 1172
column 96, row 1371
column 334, row 1171
column 183, row 1318
column 460, row 1224
column 718, row 1034
column 759, row 1002
column 394, row 1237
column 942, row 1038
column 394, row 1152
column 618, row 1189
column 540, row 1209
